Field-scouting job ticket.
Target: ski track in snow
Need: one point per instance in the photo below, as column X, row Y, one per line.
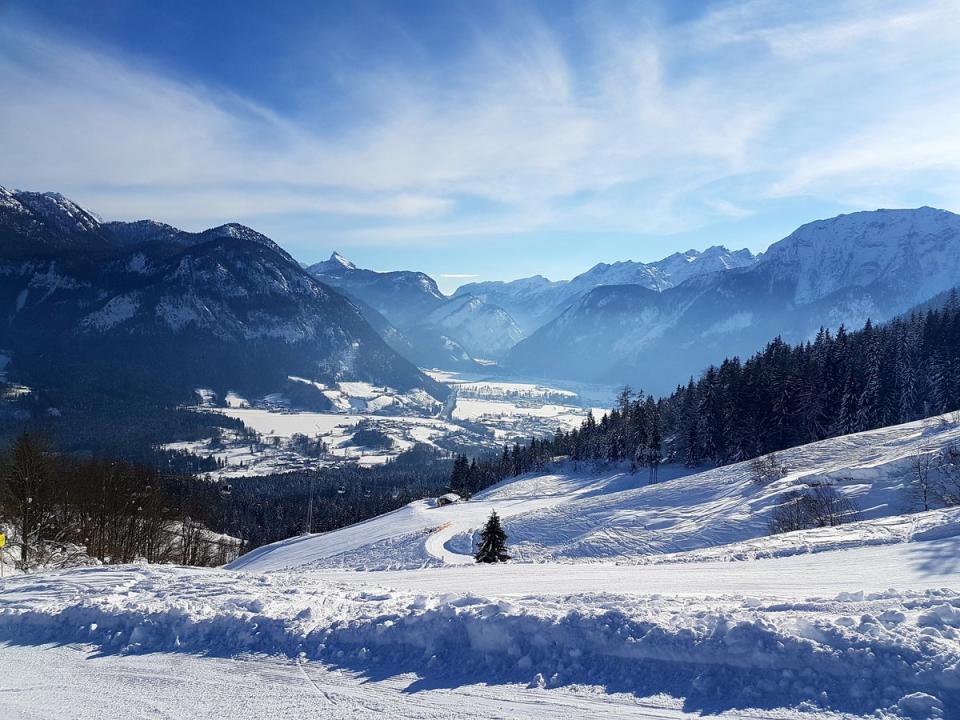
column 52, row 678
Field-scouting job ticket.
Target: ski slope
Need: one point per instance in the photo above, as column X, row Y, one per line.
column 626, row 599
column 917, row 565
column 579, row 515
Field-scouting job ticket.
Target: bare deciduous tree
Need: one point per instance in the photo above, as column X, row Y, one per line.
column 922, row 485
column 61, row 508
column 819, row 505
column 948, row 474
column 767, row 468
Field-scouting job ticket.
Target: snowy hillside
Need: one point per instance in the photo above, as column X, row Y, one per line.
column 701, row 614
column 485, row 330
column 581, row 515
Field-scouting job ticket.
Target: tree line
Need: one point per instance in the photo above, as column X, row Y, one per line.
column 66, row 509
column 839, row 383
column 263, row 509
column 63, row 509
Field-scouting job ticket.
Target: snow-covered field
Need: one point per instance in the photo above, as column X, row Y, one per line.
column 625, row 599
column 492, row 386
column 487, row 412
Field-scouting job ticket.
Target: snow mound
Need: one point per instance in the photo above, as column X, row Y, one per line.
column 856, row 653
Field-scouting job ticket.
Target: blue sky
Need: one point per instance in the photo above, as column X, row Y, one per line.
column 486, row 139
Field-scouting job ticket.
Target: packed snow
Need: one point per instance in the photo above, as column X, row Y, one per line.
column 720, row 648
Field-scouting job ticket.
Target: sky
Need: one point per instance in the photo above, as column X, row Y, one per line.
column 479, row 140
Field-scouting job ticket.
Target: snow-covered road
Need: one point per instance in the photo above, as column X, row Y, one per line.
column 848, row 631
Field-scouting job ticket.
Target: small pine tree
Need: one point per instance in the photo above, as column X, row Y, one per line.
column 493, row 542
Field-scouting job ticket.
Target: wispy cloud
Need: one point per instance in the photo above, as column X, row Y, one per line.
column 728, row 209
column 458, row 276
column 634, row 125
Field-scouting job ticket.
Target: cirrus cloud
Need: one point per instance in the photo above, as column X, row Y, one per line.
column 623, row 123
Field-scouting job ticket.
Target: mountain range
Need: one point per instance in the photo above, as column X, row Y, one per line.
column 147, row 306
column 486, row 320
column 535, row 301
column 842, row 271
column 144, row 309
column 659, row 323
column 420, row 321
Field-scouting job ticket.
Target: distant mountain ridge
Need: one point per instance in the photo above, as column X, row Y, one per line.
column 655, row 324
column 535, row 301
column 229, row 305
column 866, row 265
column 441, row 331
column 485, row 320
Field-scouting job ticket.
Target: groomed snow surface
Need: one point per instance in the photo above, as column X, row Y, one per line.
column 625, row 600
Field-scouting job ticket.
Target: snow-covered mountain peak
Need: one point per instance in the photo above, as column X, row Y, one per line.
column 661, row 274
column 241, row 232
column 9, row 202
column 57, row 211
column 342, row 261
column 680, row 267
column 235, row 230
column 916, row 249
column 335, row 265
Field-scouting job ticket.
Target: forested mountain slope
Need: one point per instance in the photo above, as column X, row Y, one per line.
column 142, row 310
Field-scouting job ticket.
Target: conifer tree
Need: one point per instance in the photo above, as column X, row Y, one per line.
column 459, row 476
column 493, row 542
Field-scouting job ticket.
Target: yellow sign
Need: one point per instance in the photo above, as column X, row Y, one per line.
column 3, row 539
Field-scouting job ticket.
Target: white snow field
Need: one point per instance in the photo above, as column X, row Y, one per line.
column 485, row 413
column 625, row 599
